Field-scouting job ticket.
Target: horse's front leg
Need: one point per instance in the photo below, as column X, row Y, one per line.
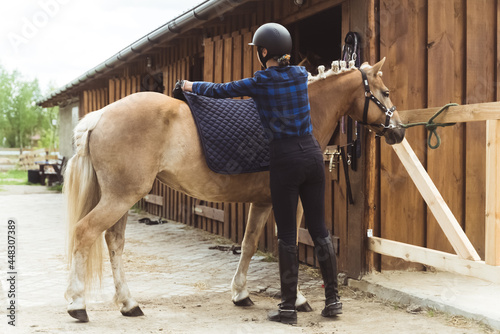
column 115, row 239
column 257, row 217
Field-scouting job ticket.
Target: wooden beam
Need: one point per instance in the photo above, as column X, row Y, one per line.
column 462, row 113
column 305, row 238
column 208, row 212
column 437, row 259
column 435, row 201
column 155, row 199
column 492, row 221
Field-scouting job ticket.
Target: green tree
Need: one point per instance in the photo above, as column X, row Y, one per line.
column 50, row 128
column 20, row 117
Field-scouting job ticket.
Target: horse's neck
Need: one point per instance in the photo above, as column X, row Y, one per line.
column 330, row 99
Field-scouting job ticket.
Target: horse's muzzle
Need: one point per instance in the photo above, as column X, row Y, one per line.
column 394, row 136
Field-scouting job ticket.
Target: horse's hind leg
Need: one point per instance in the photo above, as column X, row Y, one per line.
column 115, row 239
column 107, row 212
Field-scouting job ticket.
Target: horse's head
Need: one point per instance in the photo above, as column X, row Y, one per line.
column 374, row 109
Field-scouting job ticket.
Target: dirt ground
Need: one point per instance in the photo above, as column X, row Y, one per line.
column 181, row 285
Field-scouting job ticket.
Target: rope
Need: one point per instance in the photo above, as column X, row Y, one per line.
column 432, row 127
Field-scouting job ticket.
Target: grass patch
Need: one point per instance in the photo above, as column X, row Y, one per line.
column 57, row 188
column 14, row 177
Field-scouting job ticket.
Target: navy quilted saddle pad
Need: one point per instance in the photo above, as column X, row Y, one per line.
column 231, row 134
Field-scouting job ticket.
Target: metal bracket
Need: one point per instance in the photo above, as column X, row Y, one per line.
column 333, row 156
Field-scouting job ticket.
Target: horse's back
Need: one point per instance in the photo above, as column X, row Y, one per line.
column 133, row 133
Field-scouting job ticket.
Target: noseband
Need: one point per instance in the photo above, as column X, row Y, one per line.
column 370, row 97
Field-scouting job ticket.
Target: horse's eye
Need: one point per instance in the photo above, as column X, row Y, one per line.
column 386, row 93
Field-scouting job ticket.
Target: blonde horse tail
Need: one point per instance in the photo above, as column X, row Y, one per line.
column 82, row 192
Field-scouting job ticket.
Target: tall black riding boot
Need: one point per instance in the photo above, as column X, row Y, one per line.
column 289, row 272
column 328, row 264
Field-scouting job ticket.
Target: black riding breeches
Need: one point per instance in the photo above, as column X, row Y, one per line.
column 297, row 170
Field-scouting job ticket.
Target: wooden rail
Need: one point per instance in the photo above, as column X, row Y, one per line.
column 462, row 113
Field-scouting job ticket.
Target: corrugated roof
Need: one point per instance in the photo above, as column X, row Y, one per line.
column 205, row 11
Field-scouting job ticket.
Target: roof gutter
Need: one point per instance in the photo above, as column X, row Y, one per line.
column 205, row 11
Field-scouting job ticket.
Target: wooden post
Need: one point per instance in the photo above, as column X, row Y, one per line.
column 492, row 221
column 435, row 201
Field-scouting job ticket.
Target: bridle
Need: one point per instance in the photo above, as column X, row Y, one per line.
column 370, row 97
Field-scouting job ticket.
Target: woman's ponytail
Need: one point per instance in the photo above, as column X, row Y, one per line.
column 283, row 60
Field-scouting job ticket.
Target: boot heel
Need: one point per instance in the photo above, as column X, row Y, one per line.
column 284, row 316
column 332, row 310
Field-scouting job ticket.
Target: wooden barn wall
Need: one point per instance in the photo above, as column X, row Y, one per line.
column 438, row 52
column 223, row 55
column 227, row 56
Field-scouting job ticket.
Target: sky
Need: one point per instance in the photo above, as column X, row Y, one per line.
column 56, row 41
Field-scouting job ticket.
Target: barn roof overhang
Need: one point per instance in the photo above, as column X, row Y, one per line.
column 205, row 11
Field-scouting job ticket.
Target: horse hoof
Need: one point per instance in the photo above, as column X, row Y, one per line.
column 304, row 307
column 135, row 312
column 244, row 302
column 80, row 315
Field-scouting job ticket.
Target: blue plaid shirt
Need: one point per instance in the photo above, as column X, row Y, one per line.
column 280, row 94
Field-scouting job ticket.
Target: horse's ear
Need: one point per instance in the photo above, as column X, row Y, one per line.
column 377, row 67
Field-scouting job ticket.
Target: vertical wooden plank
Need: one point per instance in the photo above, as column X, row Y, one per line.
column 123, row 88
column 171, row 203
column 444, row 165
column 111, row 84
column 248, row 52
column 328, row 198
column 218, row 59
column 340, row 221
column 117, row 89
column 228, row 59
column 227, row 220
column 234, row 222
column 83, row 108
column 127, row 85
column 403, row 39
column 241, row 221
column 256, row 65
column 208, row 66
column 171, row 77
column 492, row 224
column 95, row 99
column 481, row 64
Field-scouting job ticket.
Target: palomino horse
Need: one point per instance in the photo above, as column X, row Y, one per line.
column 123, row 147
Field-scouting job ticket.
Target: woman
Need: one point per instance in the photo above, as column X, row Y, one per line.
column 297, row 168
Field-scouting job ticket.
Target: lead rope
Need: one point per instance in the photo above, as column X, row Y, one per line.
column 432, row 127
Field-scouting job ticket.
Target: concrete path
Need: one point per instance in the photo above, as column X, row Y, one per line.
column 181, row 284
column 447, row 292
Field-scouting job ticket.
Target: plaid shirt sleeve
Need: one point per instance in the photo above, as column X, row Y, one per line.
column 244, row 87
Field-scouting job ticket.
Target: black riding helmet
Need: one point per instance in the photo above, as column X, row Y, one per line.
column 275, row 38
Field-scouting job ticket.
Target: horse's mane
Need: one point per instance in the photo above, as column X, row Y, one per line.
column 338, row 67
